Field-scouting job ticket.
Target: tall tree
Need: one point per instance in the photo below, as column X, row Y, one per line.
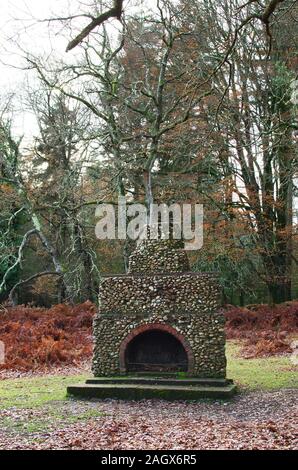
column 254, row 121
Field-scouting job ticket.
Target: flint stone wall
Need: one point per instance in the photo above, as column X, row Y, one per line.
column 187, row 302
column 179, row 291
column 159, row 256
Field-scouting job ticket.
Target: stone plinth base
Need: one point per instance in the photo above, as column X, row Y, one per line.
column 138, row 388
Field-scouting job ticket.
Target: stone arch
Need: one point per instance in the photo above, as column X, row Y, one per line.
column 151, row 327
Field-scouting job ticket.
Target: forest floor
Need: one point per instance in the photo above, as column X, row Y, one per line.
column 36, row 414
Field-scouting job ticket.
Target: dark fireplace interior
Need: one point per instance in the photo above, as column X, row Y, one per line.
column 155, row 350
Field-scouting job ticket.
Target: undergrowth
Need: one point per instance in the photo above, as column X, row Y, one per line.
column 36, row 338
column 266, row 330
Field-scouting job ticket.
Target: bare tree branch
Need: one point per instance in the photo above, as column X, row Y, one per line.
column 270, row 8
column 114, row 12
column 19, row 258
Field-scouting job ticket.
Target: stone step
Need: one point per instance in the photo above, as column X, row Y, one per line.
column 142, row 391
column 158, row 381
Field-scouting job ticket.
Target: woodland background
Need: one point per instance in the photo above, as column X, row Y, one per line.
column 191, row 102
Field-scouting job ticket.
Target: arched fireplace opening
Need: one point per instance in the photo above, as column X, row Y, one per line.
column 155, row 350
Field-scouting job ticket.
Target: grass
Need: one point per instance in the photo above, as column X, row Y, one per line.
column 251, row 374
column 45, row 396
column 36, row 391
column 51, row 418
column 268, row 373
